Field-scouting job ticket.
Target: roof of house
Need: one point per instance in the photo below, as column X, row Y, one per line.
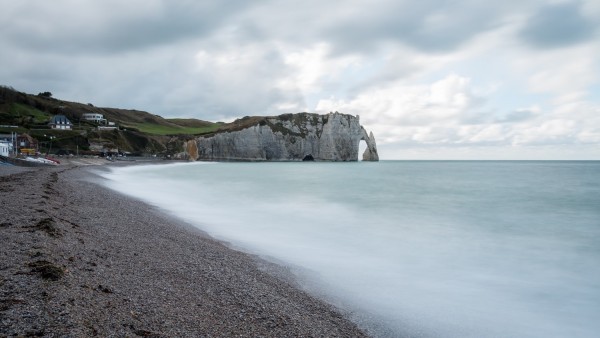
column 26, row 137
column 59, row 119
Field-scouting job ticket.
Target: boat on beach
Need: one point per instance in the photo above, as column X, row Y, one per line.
column 29, row 161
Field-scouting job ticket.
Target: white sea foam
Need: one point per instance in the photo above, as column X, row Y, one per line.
column 417, row 249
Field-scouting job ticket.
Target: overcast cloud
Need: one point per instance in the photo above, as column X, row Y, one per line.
column 432, row 79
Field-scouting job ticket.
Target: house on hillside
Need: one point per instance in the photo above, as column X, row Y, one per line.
column 60, row 122
column 104, row 124
column 93, row 117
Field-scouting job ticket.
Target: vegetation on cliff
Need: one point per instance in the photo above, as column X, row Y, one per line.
column 134, row 131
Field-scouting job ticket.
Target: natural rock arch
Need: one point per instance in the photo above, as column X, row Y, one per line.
column 288, row 137
column 370, row 153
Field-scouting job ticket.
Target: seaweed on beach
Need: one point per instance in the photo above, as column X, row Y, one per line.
column 6, row 189
column 47, row 270
column 48, row 226
column 145, row 333
column 7, row 303
column 104, row 289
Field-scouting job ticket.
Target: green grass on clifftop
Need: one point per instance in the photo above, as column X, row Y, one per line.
column 157, row 129
column 21, row 110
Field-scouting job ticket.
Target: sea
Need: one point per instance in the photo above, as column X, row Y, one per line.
column 408, row 248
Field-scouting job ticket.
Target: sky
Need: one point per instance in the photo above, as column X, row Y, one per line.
column 465, row 79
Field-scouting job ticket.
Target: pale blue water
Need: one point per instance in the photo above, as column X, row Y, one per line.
column 413, row 249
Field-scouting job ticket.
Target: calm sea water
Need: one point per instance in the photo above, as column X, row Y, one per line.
column 411, row 248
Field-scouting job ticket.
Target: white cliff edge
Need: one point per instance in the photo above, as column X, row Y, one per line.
column 288, row 137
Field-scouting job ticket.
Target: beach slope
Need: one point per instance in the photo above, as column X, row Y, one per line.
column 79, row 260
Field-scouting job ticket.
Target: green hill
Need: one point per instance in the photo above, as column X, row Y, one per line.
column 136, row 131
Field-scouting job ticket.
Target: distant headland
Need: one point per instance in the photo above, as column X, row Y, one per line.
column 287, row 137
column 52, row 126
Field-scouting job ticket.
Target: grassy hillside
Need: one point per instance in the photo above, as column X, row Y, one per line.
column 28, row 110
column 160, row 126
column 158, row 129
column 27, row 114
column 138, row 131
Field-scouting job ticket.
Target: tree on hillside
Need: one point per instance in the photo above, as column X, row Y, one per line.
column 45, row 94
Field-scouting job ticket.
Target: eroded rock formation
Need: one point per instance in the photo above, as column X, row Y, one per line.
column 288, row 137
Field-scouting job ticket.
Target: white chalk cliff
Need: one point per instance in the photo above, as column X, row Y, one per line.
column 288, row 137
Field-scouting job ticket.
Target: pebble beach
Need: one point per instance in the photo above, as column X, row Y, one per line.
column 79, row 260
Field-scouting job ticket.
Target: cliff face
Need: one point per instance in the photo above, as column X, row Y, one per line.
column 289, row 137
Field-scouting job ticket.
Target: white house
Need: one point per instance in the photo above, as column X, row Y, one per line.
column 60, row 122
column 98, row 118
column 5, row 147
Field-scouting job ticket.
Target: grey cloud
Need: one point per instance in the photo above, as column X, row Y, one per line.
column 430, row 26
column 61, row 30
column 213, row 91
column 557, row 25
column 358, row 26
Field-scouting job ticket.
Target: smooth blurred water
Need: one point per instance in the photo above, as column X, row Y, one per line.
column 413, row 248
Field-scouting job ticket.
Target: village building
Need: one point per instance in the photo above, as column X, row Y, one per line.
column 93, row 117
column 60, row 122
column 7, row 144
column 5, row 148
column 27, row 144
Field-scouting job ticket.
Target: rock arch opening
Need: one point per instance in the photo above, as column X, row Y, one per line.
column 370, row 154
column 362, row 147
